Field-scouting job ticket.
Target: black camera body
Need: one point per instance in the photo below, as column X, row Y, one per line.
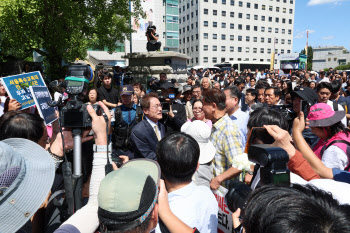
column 75, row 115
column 163, row 101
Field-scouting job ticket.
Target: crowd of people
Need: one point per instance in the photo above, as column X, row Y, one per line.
column 178, row 143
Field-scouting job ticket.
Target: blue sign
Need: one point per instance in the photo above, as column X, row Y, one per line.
column 17, row 87
column 41, row 96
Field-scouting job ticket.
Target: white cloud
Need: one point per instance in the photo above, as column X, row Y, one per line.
column 302, row 34
column 319, row 2
column 328, row 38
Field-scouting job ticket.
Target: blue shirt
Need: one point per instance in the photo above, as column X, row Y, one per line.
column 341, row 175
column 241, row 118
column 128, row 114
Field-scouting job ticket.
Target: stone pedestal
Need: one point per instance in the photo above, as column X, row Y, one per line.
column 151, row 64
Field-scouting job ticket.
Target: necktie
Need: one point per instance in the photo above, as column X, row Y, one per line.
column 156, row 131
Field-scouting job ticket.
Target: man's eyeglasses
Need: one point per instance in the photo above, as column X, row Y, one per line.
column 156, row 106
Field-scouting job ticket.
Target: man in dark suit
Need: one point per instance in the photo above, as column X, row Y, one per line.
column 147, row 133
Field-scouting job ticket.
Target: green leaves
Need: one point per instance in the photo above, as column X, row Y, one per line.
column 63, row 29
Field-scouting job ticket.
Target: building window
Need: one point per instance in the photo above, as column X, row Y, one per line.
column 288, row 51
column 247, row 38
column 232, row 2
column 205, row 35
column 223, row 13
column 232, row 14
column 269, row 51
column 223, row 2
column 240, row 15
column 239, row 26
column 222, row 59
column 277, row 20
column 215, row 12
column 277, row 9
column 232, row 37
column 232, row 26
column 291, row 1
column 247, row 27
column 239, row 38
column 276, row 40
column 270, row 19
column 247, row 49
column 223, row 48
column 283, row 31
column 215, row 24
column 255, row 39
column 290, row 11
column 282, row 41
column 196, row 36
column 282, row 51
column 255, row 50
column 261, row 50
column 290, row 21
column 269, row 40
column 256, row 6
column 262, row 18
column 205, row 11
column 205, row 23
column 232, row 49
column 205, row 59
column 223, row 37
column 269, row 29
column 289, row 31
column 262, row 29
column 283, row 20
column 214, row 59
column 248, row 16
column 215, row 48
column 239, row 49
column 284, row 10
column 197, row 47
column 270, row 8
column 256, row 28
column 215, row 1
column 223, row 25
column 263, row 7
column 215, row 36
column 289, row 41
column 276, row 30
column 262, row 39
column 255, row 17
column 240, row 4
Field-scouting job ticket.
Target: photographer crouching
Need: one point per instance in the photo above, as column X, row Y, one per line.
column 152, row 37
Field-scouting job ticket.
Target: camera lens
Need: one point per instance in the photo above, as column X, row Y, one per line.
column 237, row 195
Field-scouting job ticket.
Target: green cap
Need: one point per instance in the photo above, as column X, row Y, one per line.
column 127, row 196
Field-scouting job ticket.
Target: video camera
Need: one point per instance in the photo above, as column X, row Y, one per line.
column 273, row 170
column 128, row 79
column 163, row 100
column 74, row 114
column 150, row 29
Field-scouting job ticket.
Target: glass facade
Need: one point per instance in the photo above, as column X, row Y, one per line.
column 171, row 25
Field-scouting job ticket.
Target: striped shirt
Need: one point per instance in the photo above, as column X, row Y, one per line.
column 227, row 141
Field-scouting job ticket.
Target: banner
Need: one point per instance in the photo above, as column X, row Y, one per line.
column 225, row 224
column 41, row 96
column 17, row 87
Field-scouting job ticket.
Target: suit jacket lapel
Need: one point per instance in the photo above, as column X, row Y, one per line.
column 150, row 130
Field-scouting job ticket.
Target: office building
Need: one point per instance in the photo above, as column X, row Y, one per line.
column 216, row 31
column 164, row 15
column 326, row 57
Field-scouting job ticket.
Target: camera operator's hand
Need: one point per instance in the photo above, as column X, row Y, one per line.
column 124, row 158
column 235, row 218
column 99, row 124
column 170, row 113
column 282, row 139
column 299, row 123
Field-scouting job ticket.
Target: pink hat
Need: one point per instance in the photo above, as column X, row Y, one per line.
column 322, row 115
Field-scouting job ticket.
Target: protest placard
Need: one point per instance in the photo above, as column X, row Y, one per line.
column 17, row 87
column 41, row 96
column 224, row 215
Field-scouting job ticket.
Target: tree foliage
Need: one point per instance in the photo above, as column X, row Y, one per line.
column 310, row 56
column 343, row 67
column 63, row 29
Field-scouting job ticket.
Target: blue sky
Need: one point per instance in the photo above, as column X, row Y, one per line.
column 327, row 21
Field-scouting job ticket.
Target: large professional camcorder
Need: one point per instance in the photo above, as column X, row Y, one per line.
column 150, row 29
column 165, row 101
column 273, row 170
column 74, row 114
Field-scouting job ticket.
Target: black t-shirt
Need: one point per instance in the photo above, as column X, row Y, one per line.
column 110, row 95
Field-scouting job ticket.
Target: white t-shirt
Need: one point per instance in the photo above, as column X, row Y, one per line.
column 2, row 104
column 340, row 108
column 334, row 157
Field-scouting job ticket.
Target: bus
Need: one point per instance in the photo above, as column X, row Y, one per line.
column 242, row 65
